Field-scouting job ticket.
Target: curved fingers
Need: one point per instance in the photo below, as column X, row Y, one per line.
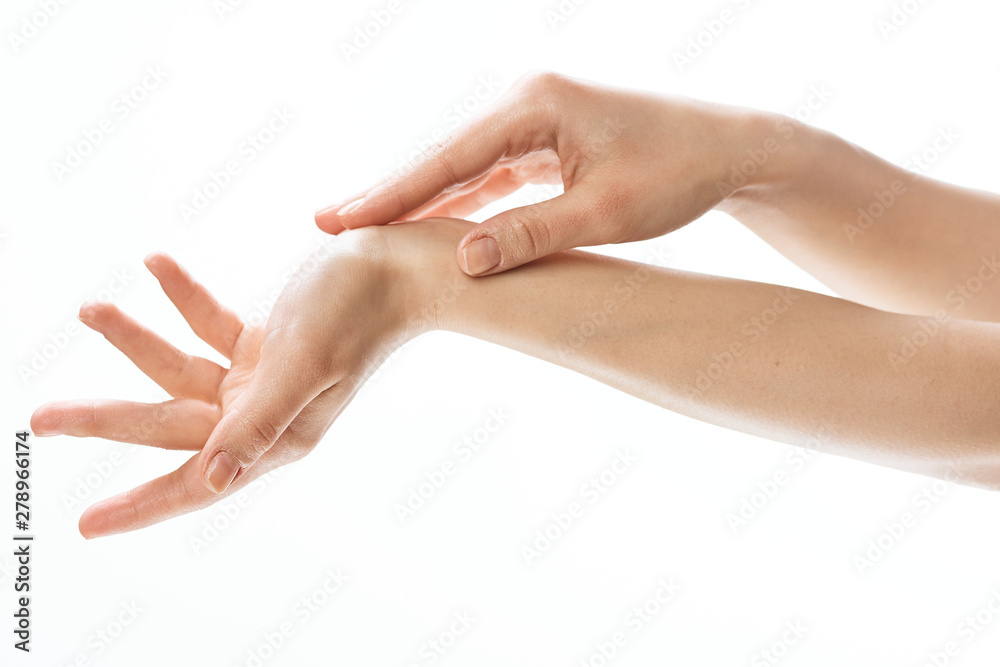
column 212, row 322
column 183, row 490
column 180, row 374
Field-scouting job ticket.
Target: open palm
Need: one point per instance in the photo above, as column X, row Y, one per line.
column 202, row 392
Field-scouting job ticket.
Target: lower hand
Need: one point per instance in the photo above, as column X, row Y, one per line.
column 287, row 381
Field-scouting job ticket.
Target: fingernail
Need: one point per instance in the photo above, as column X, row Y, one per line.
column 347, row 209
column 87, row 310
column 481, row 256
column 221, row 471
column 329, row 221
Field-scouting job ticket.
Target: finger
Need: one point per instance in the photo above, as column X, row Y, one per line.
column 472, row 152
column 183, row 490
column 469, row 200
column 506, row 177
column 213, row 323
column 173, row 494
column 180, row 374
column 579, row 217
column 178, row 424
column 281, row 387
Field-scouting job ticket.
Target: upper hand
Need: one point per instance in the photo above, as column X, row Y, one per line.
column 633, row 166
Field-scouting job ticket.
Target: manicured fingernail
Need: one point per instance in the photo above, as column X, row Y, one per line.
column 347, row 209
column 221, row 471
column 87, row 310
column 329, row 221
column 481, row 256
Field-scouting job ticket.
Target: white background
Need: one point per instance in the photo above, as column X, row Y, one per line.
column 793, row 563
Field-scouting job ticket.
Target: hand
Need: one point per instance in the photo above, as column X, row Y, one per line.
column 633, row 166
column 333, row 323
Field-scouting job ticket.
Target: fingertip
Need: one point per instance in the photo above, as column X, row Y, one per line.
column 94, row 522
column 84, row 528
column 155, row 260
column 328, row 220
column 42, row 423
column 108, row 517
column 97, row 314
column 88, row 311
column 161, row 265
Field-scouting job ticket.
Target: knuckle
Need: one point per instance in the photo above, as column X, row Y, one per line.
column 299, row 447
column 259, row 433
column 541, row 95
column 526, row 235
column 540, row 82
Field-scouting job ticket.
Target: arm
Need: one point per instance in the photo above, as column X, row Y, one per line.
column 772, row 361
column 785, row 364
column 874, row 232
column 634, row 166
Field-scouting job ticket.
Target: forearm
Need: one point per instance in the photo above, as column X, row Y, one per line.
column 772, row 361
column 874, row 232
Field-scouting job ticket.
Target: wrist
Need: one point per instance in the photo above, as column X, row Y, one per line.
column 769, row 154
column 427, row 284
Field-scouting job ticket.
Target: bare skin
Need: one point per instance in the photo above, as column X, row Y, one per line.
column 912, row 385
column 820, row 371
column 636, row 165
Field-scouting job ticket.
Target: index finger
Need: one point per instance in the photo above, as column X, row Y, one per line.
column 508, row 131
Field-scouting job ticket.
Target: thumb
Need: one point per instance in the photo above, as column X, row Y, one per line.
column 523, row 234
column 254, row 422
